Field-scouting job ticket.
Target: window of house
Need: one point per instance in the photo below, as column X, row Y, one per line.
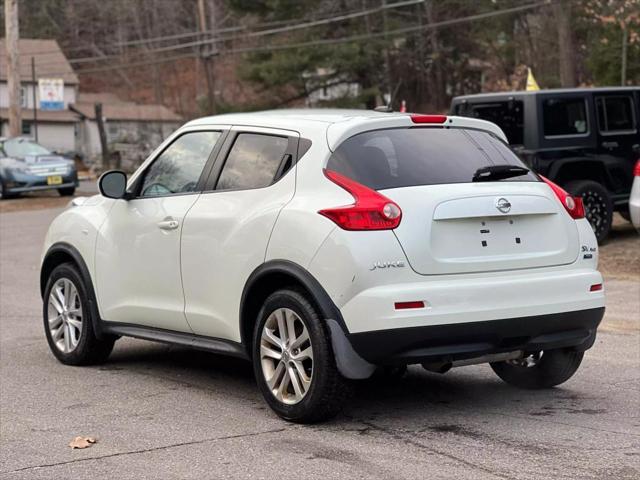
column 24, row 97
column 178, row 168
column 565, row 116
column 615, row 114
column 253, row 161
column 26, row 128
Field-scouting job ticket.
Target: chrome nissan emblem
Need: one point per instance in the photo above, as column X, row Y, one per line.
column 503, row 205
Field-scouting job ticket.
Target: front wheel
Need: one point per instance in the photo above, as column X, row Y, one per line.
column 293, row 360
column 68, row 319
column 67, row 192
column 539, row 370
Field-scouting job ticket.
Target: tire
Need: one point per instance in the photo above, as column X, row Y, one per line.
column 67, row 192
column 82, row 349
column 3, row 194
column 326, row 391
column 552, row 368
column 597, row 205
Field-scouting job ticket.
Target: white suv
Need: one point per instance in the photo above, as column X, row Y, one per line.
column 325, row 245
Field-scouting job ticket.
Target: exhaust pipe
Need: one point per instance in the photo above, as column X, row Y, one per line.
column 443, row 367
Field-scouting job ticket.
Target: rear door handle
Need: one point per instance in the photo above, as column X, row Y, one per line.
column 609, row 144
column 169, row 224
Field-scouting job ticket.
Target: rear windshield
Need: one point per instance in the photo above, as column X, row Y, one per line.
column 405, row 157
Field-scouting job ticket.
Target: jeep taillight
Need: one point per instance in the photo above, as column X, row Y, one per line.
column 371, row 210
column 636, row 170
column 573, row 205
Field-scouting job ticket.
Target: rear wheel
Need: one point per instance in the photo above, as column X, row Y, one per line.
column 597, row 205
column 68, row 320
column 67, row 192
column 293, row 360
column 539, row 370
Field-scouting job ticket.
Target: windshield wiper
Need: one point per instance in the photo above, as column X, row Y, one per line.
column 498, row 172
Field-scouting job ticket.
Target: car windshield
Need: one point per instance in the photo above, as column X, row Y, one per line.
column 21, row 148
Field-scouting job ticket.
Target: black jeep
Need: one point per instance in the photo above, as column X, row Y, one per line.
column 585, row 139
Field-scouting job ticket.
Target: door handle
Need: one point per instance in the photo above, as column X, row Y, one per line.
column 168, row 224
column 609, row 144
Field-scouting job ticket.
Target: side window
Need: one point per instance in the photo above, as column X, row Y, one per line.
column 615, row 114
column 178, row 168
column 252, row 161
column 564, row 116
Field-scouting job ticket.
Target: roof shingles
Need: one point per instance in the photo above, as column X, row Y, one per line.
column 50, row 62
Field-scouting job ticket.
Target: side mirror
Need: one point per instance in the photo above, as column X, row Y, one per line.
column 113, row 184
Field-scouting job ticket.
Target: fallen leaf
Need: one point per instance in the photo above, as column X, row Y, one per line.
column 82, row 442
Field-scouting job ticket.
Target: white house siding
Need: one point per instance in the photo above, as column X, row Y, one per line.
column 27, row 92
column 57, row 136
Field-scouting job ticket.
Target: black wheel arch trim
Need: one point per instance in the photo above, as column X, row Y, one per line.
column 349, row 363
column 556, row 166
column 328, row 309
column 70, row 250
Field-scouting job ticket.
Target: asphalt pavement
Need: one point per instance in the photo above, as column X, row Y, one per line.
column 162, row 412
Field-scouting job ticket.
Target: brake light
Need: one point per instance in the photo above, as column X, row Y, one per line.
column 371, row 211
column 596, row 287
column 428, row 118
column 636, row 170
column 573, row 205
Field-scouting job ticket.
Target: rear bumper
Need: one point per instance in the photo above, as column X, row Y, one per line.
column 459, row 341
column 459, row 299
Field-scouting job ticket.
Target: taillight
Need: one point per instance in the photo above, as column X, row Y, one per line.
column 428, row 118
column 636, row 170
column 371, row 211
column 573, row 205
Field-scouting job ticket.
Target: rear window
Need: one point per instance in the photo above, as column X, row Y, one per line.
column 405, row 157
column 508, row 115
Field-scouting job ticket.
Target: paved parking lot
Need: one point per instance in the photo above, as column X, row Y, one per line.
column 168, row 412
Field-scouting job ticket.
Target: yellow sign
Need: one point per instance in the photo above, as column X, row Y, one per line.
column 532, row 85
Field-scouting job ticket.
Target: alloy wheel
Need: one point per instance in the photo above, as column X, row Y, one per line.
column 286, row 356
column 595, row 210
column 65, row 315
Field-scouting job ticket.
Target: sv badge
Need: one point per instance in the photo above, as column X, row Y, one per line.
column 379, row 265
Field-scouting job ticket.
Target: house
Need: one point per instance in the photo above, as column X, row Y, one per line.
column 132, row 130
column 56, row 128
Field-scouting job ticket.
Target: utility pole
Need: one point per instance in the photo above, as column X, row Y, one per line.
column 103, row 136
column 35, row 103
column 625, row 38
column 206, row 54
column 387, row 61
column 566, row 47
column 13, row 66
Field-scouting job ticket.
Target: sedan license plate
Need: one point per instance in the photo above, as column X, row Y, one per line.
column 54, row 180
